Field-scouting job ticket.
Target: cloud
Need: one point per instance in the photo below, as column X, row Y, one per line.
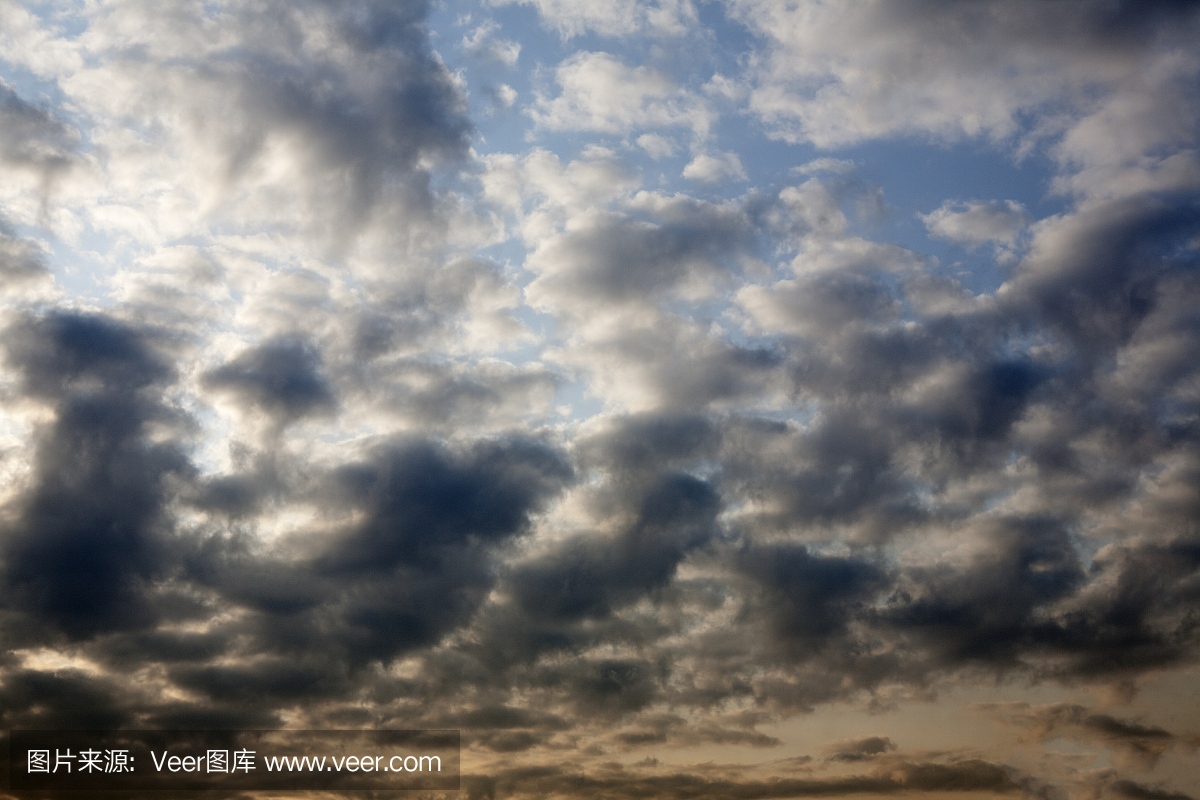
column 281, row 377
column 713, row 169
column 617, row 257
column 33, row 140
column 1136, row 791
column 506, row 95
column 976, row 223
column 1137, row 746
column 833, row 78
column 337, row 413
column 278, row 113
column 20, row 260
column 961, row 776
column 861, row 749
column 480, row 43
column 603, row 95
column 657, row 146
column 835, row 165
column 90, row 536
column 572, row 18
column 588, row 576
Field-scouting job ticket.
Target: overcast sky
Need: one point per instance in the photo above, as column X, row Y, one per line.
column 727, row 398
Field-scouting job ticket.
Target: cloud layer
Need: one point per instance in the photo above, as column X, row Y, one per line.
column 328, row 405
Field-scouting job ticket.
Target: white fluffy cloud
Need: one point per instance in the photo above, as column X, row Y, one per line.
column 974, row 223
column 601, row 94
column 715, row 169
column 834, row 74
column 480, row 43
column 618, row 18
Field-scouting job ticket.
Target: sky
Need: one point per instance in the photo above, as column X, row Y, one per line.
column 737, row 399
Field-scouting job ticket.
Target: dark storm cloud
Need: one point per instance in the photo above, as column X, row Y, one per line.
column 1135, row 613
column 418, row 498
column 90, row 535
column 36, row 699
column 243, row 493
column 92, row 545
column 809, row 599
column 281, row 377
column 131, row 650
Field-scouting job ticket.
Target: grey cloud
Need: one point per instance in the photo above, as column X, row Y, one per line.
column 240, row 494
column 1095, row 275
column 1130, row 616
column 676, row 731
column 611, row 687
column 640, row 444
column 352, row 94
column 504, row 718
column 191, row 716
column 664, row 361
column 673, row 730
column 1134, row 744
column 622, row 258
column 20, row 259
column 971, row 83
column 819, row 306
column 590, row 575
column 511, row 741
column 281, row 377
column 415, row 564
column 417, row 497
column 964, row 775
column 409, row 312
column 131, row 650
column 984, row 612
column 863, row 479
column 32, row 138
column 268, row 683
column 861, row 749
column 440, row 395
column 809, row 599
column 1136, row 791
column 841, row 476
